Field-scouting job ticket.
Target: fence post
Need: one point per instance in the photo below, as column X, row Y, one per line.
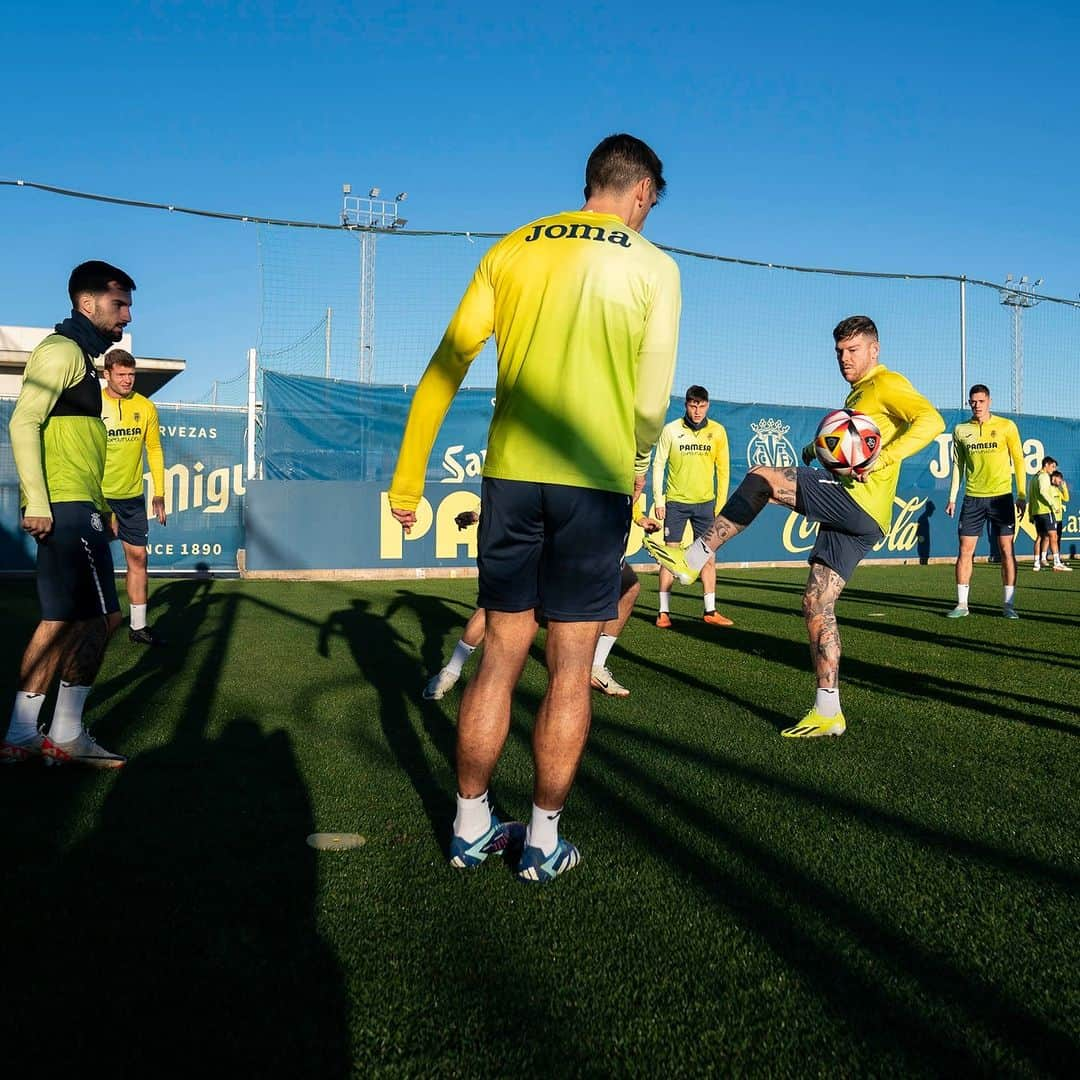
column 253, row 358
column 963, row 341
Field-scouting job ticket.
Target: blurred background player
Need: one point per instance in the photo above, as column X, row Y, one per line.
column 58, row 441
column 987, row 456
column 585, row 313
column 131, row 424
column 602, row 679
column 693, row 450
column 1059, row 498
column 853, row 513
column 1041, row 513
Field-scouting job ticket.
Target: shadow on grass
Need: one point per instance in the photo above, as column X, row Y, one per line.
column 180, row 928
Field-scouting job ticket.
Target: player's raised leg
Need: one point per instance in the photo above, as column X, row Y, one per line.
column 823, row 589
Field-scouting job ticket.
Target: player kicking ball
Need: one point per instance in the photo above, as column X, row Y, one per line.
column 601, row 679
column 853, row 512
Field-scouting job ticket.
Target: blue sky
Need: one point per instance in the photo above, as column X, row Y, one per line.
column 918, row 138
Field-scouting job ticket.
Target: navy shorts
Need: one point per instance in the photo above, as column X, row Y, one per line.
column 976, row 510
column 134, row 528
column 1044, row 524
column 677, row 514
column 846, row 531
column 551, row 548
column 74, row 565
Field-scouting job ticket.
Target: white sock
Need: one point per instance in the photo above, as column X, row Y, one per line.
column 698, row 554
column 543, row 831
column 1057, row 559
column 462, row 652
column 67, row 717
column 710, row 602
column 1010, row 590
column 827, row 702
column 665, row 602
column 473, row 817
column 962, row 595
column 603, row 647
column 24, row 716
column 138, row 616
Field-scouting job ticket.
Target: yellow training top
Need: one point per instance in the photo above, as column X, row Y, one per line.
column 1040, row 494
column 987, row 456
column 130, row 424
column 907, row 422
column 695, row 460
column 585, row 313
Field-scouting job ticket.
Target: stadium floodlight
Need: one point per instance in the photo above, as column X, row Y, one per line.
column 346, row 189
column 401, row 196
column 374, row 193
column 1008, row 278
column 1038, row 283
column 400, row 223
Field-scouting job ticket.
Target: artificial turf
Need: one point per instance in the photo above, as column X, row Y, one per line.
column 901, row 901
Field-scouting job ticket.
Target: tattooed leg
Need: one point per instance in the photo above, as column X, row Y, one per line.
column 819, row 609
column 759, row 487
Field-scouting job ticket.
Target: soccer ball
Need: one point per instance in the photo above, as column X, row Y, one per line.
column 847, row 442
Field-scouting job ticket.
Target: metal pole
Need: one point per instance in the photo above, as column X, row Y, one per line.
column 253, row 358
column 329, row 317
column 963, row 341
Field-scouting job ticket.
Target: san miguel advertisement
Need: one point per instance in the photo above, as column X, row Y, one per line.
column 204, row 491
column 364, row 535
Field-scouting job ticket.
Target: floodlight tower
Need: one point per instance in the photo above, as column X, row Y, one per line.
column 1019, row 295
column 368, row 216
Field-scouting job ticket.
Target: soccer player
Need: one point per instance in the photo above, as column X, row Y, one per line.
column 585, row 313
column 58, row 441
column 131, row 423
column 694, row 452
column 1059, row 498
column 853, row 513
column 987, row 455
column 1041, row 513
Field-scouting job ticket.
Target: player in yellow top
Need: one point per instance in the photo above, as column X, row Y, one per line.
column 694, row 452
column 988, row 457
column 853, row 513
column 585, row 313
column 58, row 442
column 1041, row 512
column 1059, row 498
column 131, row 423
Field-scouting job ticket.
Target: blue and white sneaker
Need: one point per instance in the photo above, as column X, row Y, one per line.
column 537, row 867
column 465, row 854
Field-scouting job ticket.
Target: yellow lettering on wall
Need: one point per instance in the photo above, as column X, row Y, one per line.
column 448, row 537
column 392, row 536
column 799, row 534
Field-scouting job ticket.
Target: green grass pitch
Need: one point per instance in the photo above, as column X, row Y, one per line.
column 901, row 901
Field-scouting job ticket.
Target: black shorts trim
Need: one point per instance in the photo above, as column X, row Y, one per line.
column 551, row 548
column 74, row 566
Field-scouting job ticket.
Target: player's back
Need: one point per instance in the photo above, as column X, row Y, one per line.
column 573, row 295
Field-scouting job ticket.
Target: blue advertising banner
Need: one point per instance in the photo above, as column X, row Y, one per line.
column 204, row 491
column 360, row 533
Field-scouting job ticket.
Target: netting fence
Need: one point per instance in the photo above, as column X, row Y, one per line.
column 370, row 306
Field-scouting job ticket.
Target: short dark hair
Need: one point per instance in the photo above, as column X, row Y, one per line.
column 697, row 393
column 619, row 162
column 855, row 324
column 1056, row 474
column 979, row 388
column 1048, row 460
column 118, row 358
column 96, row 277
